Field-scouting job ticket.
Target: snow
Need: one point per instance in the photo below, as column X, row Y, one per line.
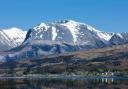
column 50, row 34
column 41, row 27
column 4, row 38
column 15, row 34
column 119, row 35
column 11, row 37
column 104, row 36
column 85, row 43
column 41, row 36
column 92, row 29
column 54, row 33
column 25, row 32
column 71, row 25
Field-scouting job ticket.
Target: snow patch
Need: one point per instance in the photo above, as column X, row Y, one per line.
column 119, row 35
column 41, row 27
column 91, row 28
column 54, row 33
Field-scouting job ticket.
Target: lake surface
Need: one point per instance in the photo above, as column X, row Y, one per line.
column 61, row 83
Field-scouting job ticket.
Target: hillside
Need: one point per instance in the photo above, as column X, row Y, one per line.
column 106, row 62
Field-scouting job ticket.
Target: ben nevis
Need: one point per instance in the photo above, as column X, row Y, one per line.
column 55, row 38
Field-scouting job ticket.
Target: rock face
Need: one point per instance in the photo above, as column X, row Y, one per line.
column 10, row 38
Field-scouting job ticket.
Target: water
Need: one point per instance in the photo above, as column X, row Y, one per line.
column 61, row 83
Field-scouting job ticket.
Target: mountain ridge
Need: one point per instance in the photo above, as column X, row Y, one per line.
column 63, row 36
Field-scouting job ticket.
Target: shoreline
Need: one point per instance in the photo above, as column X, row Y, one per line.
column 37, row 76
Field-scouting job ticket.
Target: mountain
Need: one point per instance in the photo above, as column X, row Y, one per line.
column 61, row 37
column 10, row 38
column 68, row 31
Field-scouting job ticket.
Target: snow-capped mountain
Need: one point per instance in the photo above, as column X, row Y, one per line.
column 10, row 38
column 61, row 37
column 68, row 31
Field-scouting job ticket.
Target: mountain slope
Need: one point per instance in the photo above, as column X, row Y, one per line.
column 10, row 38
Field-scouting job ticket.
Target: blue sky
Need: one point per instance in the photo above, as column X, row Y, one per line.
column 106, row 15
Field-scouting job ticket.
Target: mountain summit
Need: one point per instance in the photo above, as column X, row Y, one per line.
column 10, row 38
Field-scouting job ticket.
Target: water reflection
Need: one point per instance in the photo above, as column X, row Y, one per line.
column 82, row 83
